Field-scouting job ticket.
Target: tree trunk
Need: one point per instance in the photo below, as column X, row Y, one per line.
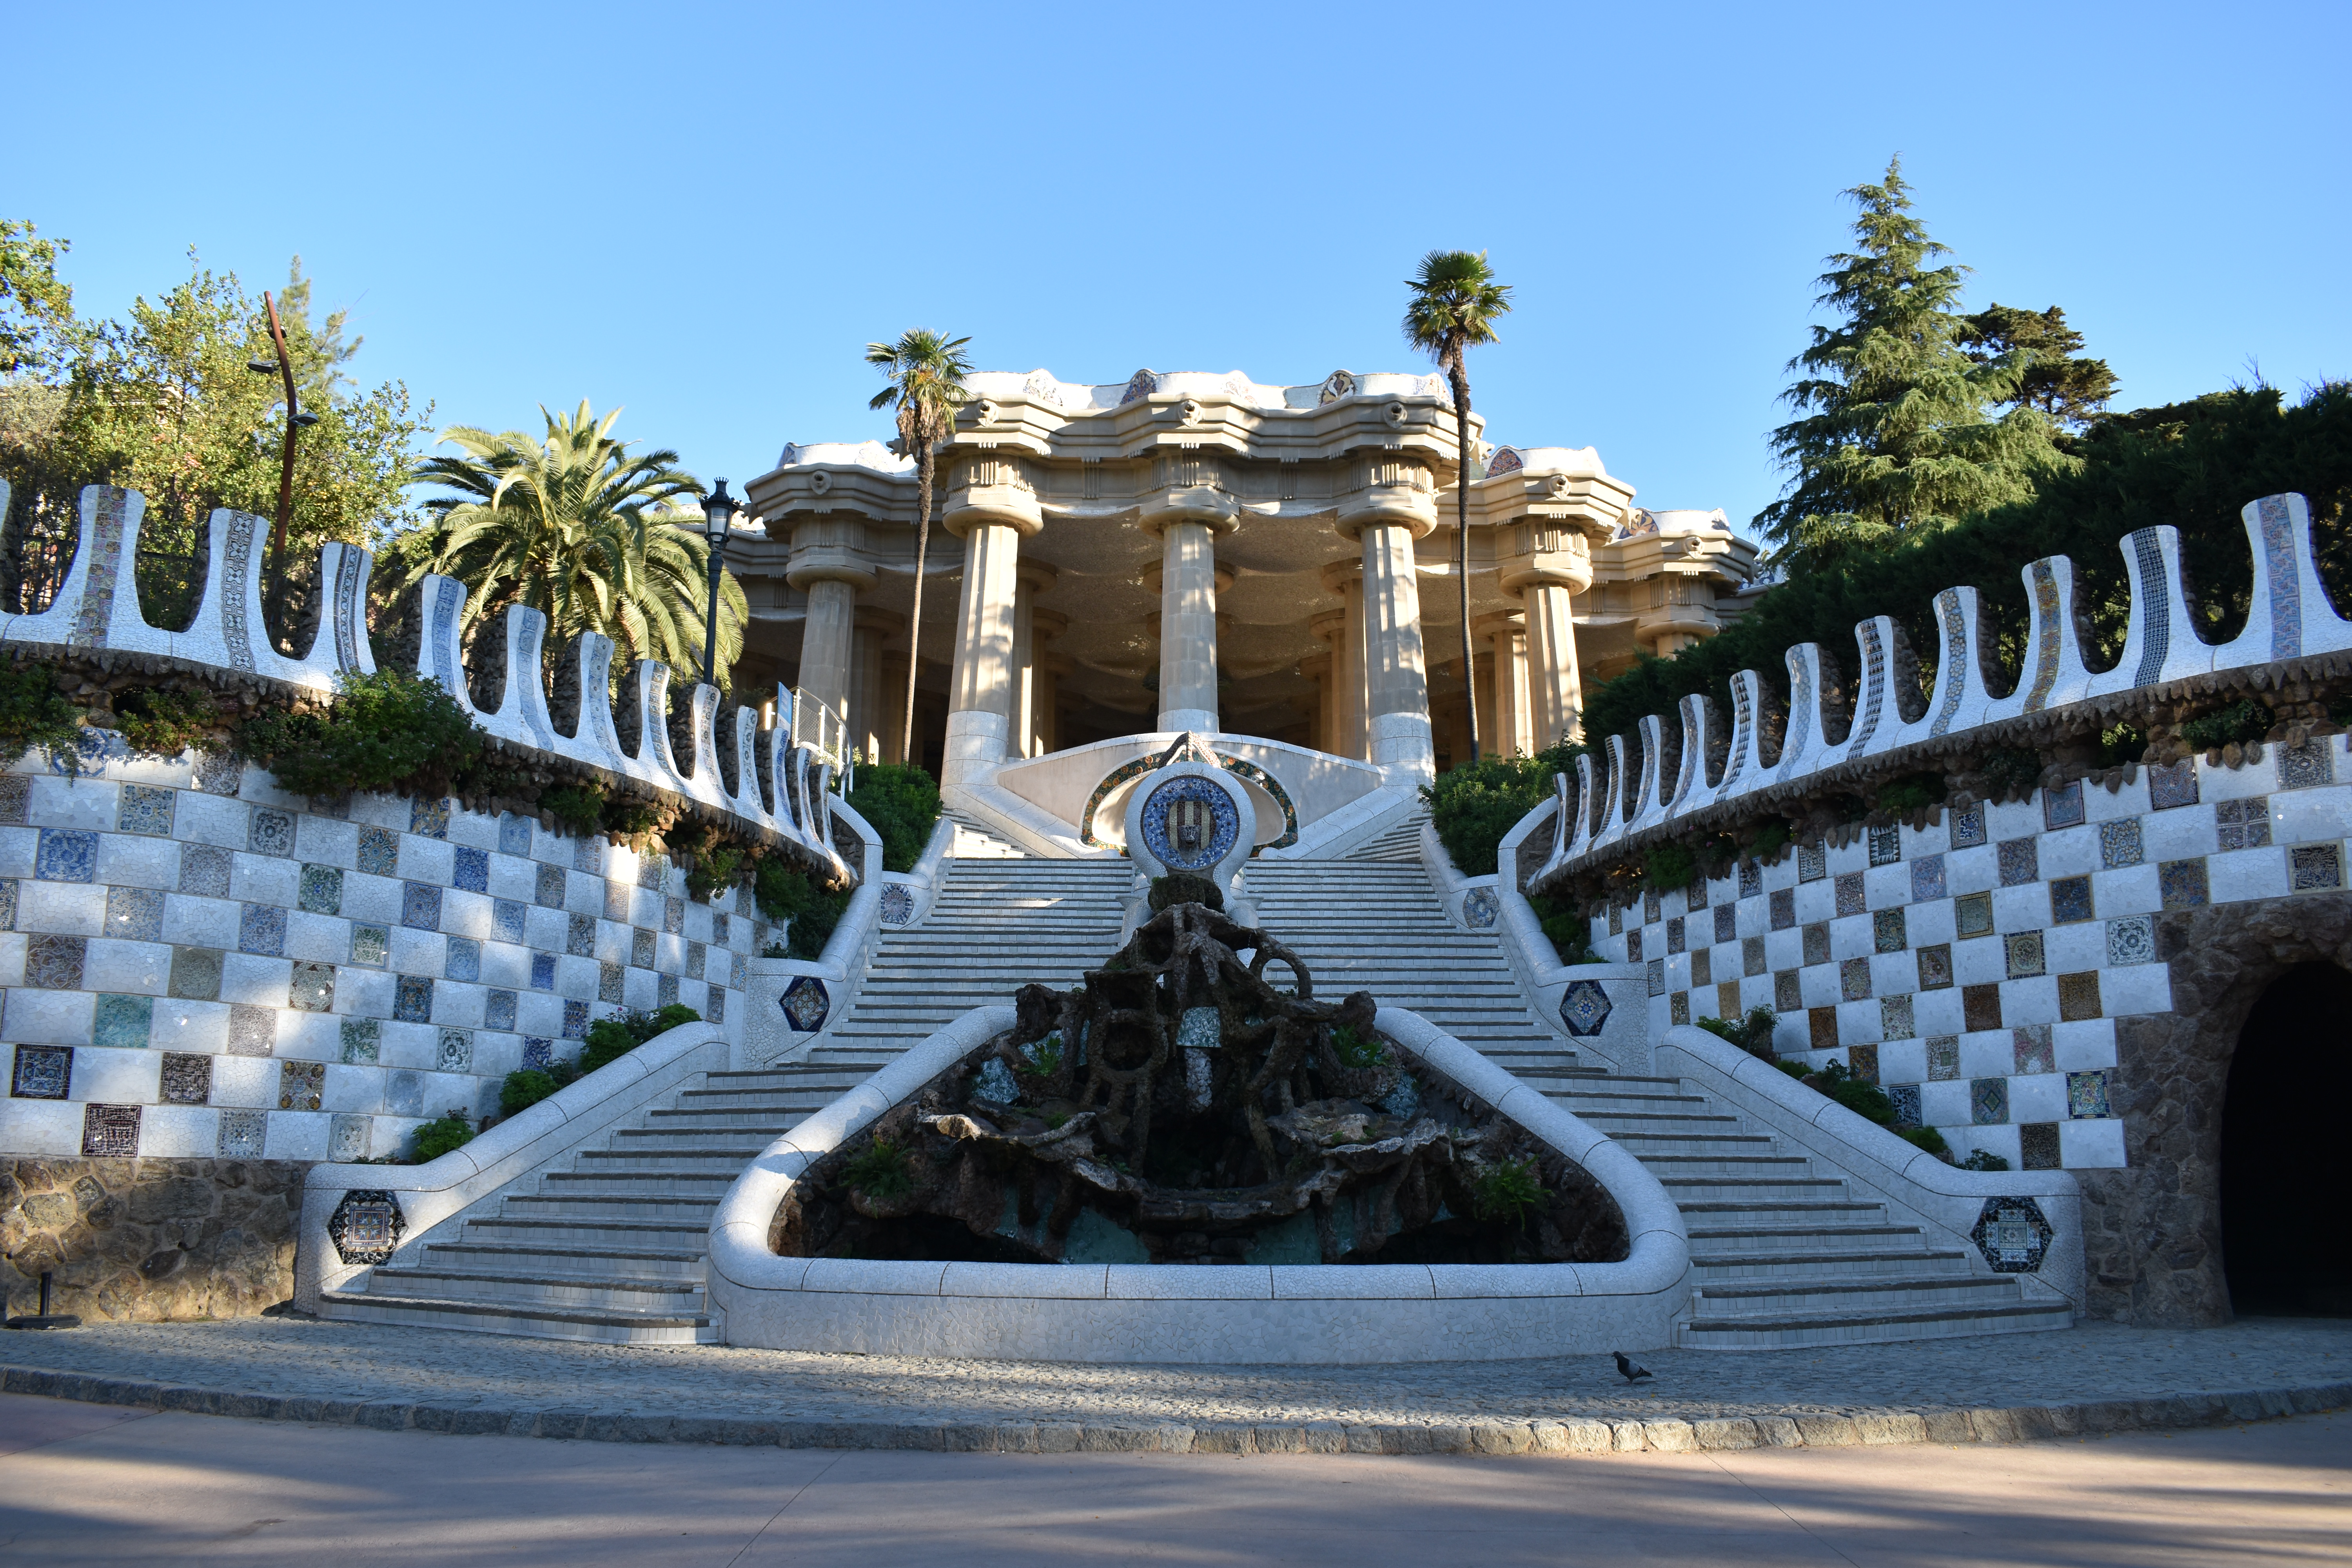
column 1461, row 380
column 915, row 618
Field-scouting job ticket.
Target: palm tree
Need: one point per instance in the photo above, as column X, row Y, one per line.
column 575, row 526
column 1454, row 302
column 926, row 372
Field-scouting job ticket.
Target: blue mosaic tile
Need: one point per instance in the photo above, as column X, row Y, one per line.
column 65, row 855
column 269, row 832
column 42, row 1072
column 499, row 1010
column 243, row 1134
column 412, row 999
column 1726, row 922
column 2063, row 806
column 370, row 946
column 1752, row 879
column 588, row 853
column 403, row 1094
column 537, row 1053
column 379, row 852
column 715, row 1005
column 252, row 1031
column 312, row 988
column 2120, row 843
column 654, row 868
column 134, row 914
column 126, row 1022
column 1988, row 1101
column 471, row 872
column 674, row 917
column 54, row 962
column 575, row 1020
column 507, row 920
column 2307, row 766
column 144, row 808
column 1905, row 1098
column 2182, row 884
column 1968, row 825
column 464, row 960
column 719, row 928
column 514, row 833
column 2070, row 900
column 1887, row 933
column 641, row 949
column 1656, row 974
column 429, row 818
column 7, row 903
column 1926, row 879
column 2086, row 1095
column 580, row 936
column 2173, row 786
column 2131, row 940
column 698, row 960
column 542, row 971
column 203, row 871
column 195, row 974
column 323, row 890
column 455, row 1051
column 420, row 906
column 363, row 1041
column 1885, row 846
column 665, row 990
column 550, row 892
column 2020, row 862
column 261, row 929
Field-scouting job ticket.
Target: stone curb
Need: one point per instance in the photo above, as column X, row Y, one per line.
column 1568, row 1435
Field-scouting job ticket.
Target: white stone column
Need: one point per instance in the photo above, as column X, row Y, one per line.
column 1348, row 694
column 1396, row 677
column 1317, row 667
column 1506, row 635
column 1045, row 669
column 979, row 691
column 894, row 705
column 827, row 563
column 865, row 694
column 1188, row 625
column 1556, row 691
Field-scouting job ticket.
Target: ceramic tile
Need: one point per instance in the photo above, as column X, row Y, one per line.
column 507, row 920
column 203, row 871
column 1980, row 1006
column 312, row 989
column 609, row 981
column 2063, row 806
column 420, row 906
column 2314, row 867
column 542, row 971
column 1972, row 914
column 142, row 809
column 1727, row 999
column 1894, row 1019
column 1854, row 979
column 2078, row 996
column 197, row 973
column 219, row 772
column 2087, row 1094
column 2182, row 883
column 2306, row 766
column 15, row 796
column 1927, row 878
column 715, row 1005
column 464, row 960
column 2018, row 862
column 1751, row 956
column 7, row 903
column 1783, row 908
column 641, row 949
column 428, row 818
column 404, row 1093
column 65, row 855
column 1702, row 966
column 413, row 999
column 243, row 1134
column 2022, row 952
column 1726, row 922
column 1936, row 967
column 109, row 1131
column 363, row 1041
column 1967, row 825
column 2172, row 786
column 1677, row 1006
column 370, row 946
column 514, row 833
column 719, row 928
column 1649, row 900
column 261, row 929
column 499, row 1010
column 1887, row 930
column 698, row 960
column 2037, row 1144
column 54, row 962
column 1788, row 995
column 1695, row 896
column 2131, row 940
column 1885, row 846
column 1851, row 900
column 252, row 1031
column 2033, row 1049
column 1812, row 861
column 349, row 1137
column 2120, row 843
column 470, row 871
column 1863, row 1060
column 134, row 914
column 455, row 1051
column 2244, row 824
column 1943, row 1056
column 588, row 855
column 1988, row 1101
column 187, row 1078
column 1656, row 972
column 1633, row 946
column 653, row 868
column 1673, row 936
column 299, row 1085
column 539, row 1053
column 269, row 832
column 1905, row 1098
column 575, row 1020
column 126, row 1022
column 42, row 1072
column 2070, row 900
column 323, row 890
column 674, row 917
column 379, row 852
column 1752, row 879
column 550, row 892
column 579, row 939
column 665, row 992
column 1817, row 943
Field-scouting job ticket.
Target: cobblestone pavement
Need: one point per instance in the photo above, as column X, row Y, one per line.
column 504, row 1378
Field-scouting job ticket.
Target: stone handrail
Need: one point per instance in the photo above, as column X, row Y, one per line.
column 1621, row 796
column 1914, row 1182
column 441, row 1189
column 775, row 788
column 1263, row 1313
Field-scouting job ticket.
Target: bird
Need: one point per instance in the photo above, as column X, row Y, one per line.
column 1632, row 1371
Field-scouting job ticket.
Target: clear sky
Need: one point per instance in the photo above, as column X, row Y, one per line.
column 704, row 212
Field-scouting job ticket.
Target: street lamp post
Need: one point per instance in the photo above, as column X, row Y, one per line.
column 283, row 368
column 719, row 513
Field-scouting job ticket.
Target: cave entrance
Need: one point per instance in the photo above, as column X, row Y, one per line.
column 2286, row 1196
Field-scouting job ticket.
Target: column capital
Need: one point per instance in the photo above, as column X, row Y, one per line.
column 1155, row 575
column 1315, row 666
column 1212, row 509
column 1342, row 574
column 1388, row 490
column 990, row 489
column 829, row 549
column 1498, row 621
column 1046, row 625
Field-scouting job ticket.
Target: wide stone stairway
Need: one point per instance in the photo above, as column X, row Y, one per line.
column 613, row 1247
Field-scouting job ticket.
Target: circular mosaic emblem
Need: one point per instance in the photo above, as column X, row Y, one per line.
column 1479, row 909
column 1190, row 825
column 898, row 904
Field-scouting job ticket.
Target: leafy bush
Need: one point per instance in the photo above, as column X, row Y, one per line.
column 1564, row 927
column 33, row 712
column 1668, row 867
column 524, row 1090
column 164, row 722
column 2238, row 724
column 1358, row 1051
column 389, row 730
column 579, row 807
column 2011, row 769
column 1866, row 1101
column 715, row 869
column 630, row 817
column 1752, row 1033
column 1985, row 1159
column 437, row 1137
column 785, row 893
column 1509, row 1193
column 881, row 1171
column 1927, row 1138
column 1185, row 888
column 609, row 1039
column 1911, row 793
column 1474, row 805
column 1770, row 839
column 901, row 802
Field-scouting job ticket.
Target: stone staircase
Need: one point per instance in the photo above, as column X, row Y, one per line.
column 1781, row 1255
column 613, row 1249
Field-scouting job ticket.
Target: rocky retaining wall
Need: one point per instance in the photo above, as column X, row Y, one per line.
column 150, row 1240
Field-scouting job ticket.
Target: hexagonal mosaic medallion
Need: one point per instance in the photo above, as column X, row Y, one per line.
column 806, row 1003
column 1584, row 1008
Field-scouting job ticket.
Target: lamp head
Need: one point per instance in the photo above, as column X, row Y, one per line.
column 718, row 510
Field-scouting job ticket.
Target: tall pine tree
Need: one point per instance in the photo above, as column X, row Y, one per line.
column 1897, row 433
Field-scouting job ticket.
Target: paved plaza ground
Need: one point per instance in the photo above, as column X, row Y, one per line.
column 84, row 1484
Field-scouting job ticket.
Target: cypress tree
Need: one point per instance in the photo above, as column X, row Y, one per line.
column 1897, row 433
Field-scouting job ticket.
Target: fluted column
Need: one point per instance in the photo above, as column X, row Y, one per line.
column 1396, row 676
column 1507, row 635
column 827, row 565
column 1348, row 704
column 979, row 691
column 894, row 706
column 1046, row 669
column 1317, row 667
column 1555, row 689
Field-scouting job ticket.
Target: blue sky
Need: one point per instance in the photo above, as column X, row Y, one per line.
column 704, row 212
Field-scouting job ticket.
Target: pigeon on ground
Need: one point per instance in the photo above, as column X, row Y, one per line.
column 1632, row 1371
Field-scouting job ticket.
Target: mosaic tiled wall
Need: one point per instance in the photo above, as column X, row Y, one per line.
column 1975, row 968
column 197, row 964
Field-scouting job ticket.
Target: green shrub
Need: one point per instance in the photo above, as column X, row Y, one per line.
column 1866, row 1101
column 1185, row 888
column 1667, row 867
column 715, row 869
column 2238, row 724
column 610, row 1039
column 1474, row 805
column 901, row 802
column 33, row 712
column 436, row 1138
column 881, row 1171
column 2011, row 769
column 630, row 817
column 1927, row 1138
column 1770, row 839
column 1911, row 793
column 1985, row 1159
column 389, row 730
column 1752, row 1033
column 525, row 1089
column 1794, row 1068
column 785, row 893
column 164, row 722
column 1358, row 1051
column 1507, row 1193
column 579, row 807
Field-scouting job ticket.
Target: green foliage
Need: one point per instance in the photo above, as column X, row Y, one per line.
column 1668, row 867
column 1752, row 1033
column 1794, row 1068
column 1912, row 792
column 2011, row 769
column 35, row 308
column 2239, row 722
column 1895, row 435
column 925, row 371
column 33, row 712
column 580, row 807
column 1985, row 1159
column 1474, row 805
column 574, row 525
column 612, row 1038
column 1564, row 927
column 1185, row 888
column 715, row 869
column 785, row 893
column 1927, row 1138
column 524, row 1090
column 900, row 802
column 883, row 1172
column 1043, row 1056
column 2191, row 466
column 389, row 730
column 630, row 817
column 166, row 722
column 2067, row 387
column 1770, row 839
column 1509, row 1193
column 1358, row 1051
column 1866, row 1101
column 437, row 1137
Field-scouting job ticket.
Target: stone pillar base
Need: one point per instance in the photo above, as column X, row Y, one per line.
column 975, row 746
column 1404, row 739
column 1200, row 721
